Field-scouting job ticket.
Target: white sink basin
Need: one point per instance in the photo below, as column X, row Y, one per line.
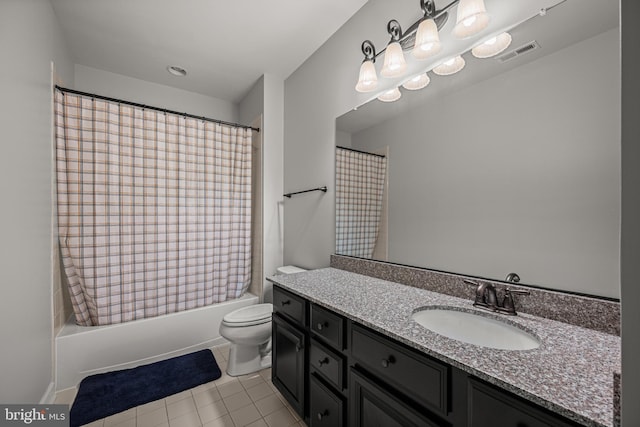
column 475, row 329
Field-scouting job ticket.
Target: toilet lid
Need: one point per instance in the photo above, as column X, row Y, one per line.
column 253, row 314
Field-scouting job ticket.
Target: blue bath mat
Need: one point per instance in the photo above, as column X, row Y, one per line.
column 106, row 394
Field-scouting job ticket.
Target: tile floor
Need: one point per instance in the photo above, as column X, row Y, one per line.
column 249, row 400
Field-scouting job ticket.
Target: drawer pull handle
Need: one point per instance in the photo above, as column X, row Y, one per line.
column 321, row 325
column 321, row 415
column 298, row 348
column 286, row 302
column 324, row 361
column 388, row 361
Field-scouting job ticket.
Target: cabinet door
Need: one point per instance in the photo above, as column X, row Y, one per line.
column 326, row 409
column 288, row 367
column 373, row 406
column 492, row 407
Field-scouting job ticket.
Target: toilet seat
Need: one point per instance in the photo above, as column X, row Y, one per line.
column 248, row 316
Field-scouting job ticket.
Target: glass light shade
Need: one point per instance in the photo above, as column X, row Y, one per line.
column 368, row 79
column 427, row 40
column 450, row 66
column 418, row 82
column 394, row 63
column 390, row 95
column 492, row 46
column 472, row 18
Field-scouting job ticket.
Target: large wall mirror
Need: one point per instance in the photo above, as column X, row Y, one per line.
column 507, row 166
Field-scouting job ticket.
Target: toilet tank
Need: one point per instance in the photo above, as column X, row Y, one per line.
column 289, row 269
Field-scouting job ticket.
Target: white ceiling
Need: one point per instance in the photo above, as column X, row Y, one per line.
column 225, row 45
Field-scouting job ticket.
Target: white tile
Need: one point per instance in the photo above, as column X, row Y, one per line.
column 130, row 422
column 181, row 407
column 280, row 418
column 269, row 404
column 260, row 391
column 121, row 417
column 221, row 422
column 266, row 374
column 246, row 415
column 212, row 412
column 151, row 406
column 190, row 419
column 154, row 418
column 237, row 401
column 259, row 423
column 229, row 388
column 203, row 387
column 207, row 397
column 98, row 423
column 251, row 380
column 178, row 396
column 66, row 396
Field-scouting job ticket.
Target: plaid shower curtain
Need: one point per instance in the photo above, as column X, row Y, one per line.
column 154, row 209
column 360, row 181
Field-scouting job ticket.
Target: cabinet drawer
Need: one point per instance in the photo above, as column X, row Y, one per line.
column 420, row 378
column 325, row 408
column 327, row 325
column 289, row 305
column 328, row 363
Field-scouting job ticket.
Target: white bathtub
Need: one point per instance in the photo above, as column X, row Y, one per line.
column 83, row 351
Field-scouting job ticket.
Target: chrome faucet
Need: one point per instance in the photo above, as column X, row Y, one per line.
column 486, row 297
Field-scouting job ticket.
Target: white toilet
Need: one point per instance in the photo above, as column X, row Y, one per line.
column 249, row 331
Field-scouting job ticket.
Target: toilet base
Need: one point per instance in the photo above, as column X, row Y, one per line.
column 246, row 359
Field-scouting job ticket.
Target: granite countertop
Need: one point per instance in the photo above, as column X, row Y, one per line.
column 571, row 373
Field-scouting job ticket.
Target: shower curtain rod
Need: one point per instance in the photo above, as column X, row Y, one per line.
column 359, row 151
column 164, row 110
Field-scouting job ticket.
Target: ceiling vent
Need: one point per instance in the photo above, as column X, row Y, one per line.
column 533, row 45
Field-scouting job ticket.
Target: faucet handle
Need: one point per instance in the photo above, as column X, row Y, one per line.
column 508, row 305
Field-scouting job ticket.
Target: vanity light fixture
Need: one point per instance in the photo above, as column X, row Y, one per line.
column 450, row 66
column 492, row 46
column 418, row 82
column 394, row 63
column 427, row 41
column 472, row 18
column 390, row 95
column 423, row 39
column 368, row 79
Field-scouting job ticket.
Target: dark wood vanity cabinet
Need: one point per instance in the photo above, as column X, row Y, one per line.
column 336, row 373
column 289, row 348
column 490, row 406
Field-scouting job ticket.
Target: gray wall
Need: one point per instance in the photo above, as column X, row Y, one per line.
column 30, row 39
column 630, row 249
column 315, row 94
column 118, row 86
column 520, row 172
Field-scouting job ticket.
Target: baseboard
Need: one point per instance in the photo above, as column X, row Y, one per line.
column 49, row 395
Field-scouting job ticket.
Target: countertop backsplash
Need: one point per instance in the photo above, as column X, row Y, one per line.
column 588, row 312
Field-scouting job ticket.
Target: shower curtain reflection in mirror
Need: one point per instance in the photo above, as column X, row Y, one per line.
column 154, row 209
column 360, row 195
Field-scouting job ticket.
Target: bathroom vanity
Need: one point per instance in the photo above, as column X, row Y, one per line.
column 347, row 352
